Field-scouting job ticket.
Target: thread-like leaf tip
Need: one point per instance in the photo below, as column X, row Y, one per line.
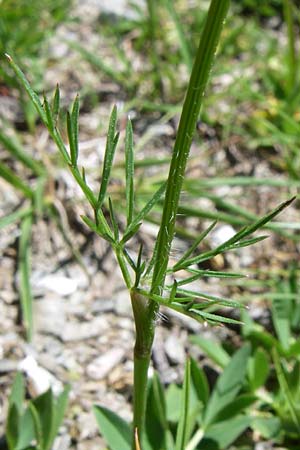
column 8, row 57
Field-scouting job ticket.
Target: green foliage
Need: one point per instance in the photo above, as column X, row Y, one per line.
column 36, row 424
column 272, row 372
column 198, row 420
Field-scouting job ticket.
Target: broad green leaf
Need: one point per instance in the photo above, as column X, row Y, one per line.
column 44, row 407
column 38, row 430
column 12, row 426
column 213, row 350
column 182, row 434
column 228, row 384
column 267, row 427
column 129, row 165
column 111, row 144
column 285, row 390
column 116, row 432
column 293, row 379
column 26, row 431
column 173, row 393
column 60, row 405
column 258, row 368
column 17, row 394
column 256, row 333
column 157, row 430
column 237, row 406
column 199, row 385
column 281, row 316
column 220, row 435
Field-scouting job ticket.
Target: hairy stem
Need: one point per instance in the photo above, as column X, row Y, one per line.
column 189, row 116
column 142, row 353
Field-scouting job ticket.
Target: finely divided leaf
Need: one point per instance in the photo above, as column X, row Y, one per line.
column 237, row 240
column 193, row 247
column 48, row 112
column 34, row 97
column 56, row 103
column 111, row 144
column 142, row 214
column 129, row 165
column 115, row 430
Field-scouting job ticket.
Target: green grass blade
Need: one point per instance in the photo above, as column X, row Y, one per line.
column 14, row 217
column 239, row 181
column 15, row 181
column 129, row 164
column 111, row 144
column 183, row 42
column 16, row 150
column 25, row 270
column 98, row 63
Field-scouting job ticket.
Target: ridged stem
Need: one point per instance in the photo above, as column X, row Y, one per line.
column 189, row 116
column 142, row 355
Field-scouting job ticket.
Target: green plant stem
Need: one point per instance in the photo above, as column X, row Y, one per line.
column 123, row 267
column 190, row 112
column 142, row 355
column 292, row 58
column 144, row 310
